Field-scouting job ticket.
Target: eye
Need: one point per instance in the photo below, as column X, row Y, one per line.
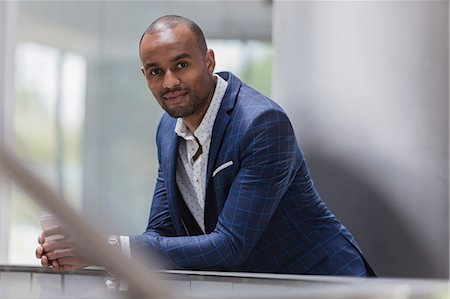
column 182, row 65
column 155, row 72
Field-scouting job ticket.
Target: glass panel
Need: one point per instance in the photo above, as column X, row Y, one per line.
column 84, row 118
column 249, row 60
column 49, row 116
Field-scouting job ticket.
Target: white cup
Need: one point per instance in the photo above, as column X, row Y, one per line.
column 48, row 220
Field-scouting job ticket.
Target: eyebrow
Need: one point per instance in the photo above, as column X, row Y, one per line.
column 176, row 58
column 181, row 56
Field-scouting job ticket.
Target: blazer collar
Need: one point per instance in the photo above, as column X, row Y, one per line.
column 222, row 120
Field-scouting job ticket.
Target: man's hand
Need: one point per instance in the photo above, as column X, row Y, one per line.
column 62, row 254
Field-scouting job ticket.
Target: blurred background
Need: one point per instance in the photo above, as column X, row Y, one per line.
column 366, row 85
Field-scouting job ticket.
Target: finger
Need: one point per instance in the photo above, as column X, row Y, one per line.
column 56, row 244
column 73, row 262
column 41, row 238
column 60, row 253
column 55, row 266
column 63, row 243
column 39, row 252
column 65, row 261
column 53, row 230
column 44, row 262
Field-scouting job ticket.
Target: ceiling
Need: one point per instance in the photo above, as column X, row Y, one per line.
column 83, row 25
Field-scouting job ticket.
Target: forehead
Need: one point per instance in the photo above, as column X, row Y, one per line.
column 169, row 42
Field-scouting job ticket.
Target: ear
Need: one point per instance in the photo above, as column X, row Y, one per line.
column 210, row 61
column 143, row 70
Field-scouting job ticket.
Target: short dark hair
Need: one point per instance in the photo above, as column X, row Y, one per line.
column 171, row 21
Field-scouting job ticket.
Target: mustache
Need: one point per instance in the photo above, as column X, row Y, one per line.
column 172, row 90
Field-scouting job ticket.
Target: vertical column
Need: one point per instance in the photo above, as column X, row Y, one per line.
column 366, row 86
column 8, row 32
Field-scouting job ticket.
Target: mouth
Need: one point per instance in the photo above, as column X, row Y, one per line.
column 175, row 96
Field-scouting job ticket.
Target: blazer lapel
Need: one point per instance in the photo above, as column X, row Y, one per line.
column 172, row 189
column 222, row 121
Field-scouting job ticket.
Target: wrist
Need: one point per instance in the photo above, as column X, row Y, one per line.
column 113, row 241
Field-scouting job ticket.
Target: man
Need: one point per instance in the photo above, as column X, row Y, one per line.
column 233, row 191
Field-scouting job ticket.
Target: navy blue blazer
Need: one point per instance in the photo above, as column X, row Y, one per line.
column 262, row 210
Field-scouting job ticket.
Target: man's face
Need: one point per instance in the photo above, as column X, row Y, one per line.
column 177, row 72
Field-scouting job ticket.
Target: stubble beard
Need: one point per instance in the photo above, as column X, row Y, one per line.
column 194, row 105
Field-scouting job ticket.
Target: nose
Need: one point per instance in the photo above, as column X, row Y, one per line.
column 170, row 80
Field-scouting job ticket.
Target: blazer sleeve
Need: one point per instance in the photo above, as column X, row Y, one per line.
column 269, row 159
column 160, row 220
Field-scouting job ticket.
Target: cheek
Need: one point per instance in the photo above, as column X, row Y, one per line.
column 193, row 79
column 203, row 86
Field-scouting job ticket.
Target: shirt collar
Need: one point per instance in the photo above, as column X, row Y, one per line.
column 203, row 132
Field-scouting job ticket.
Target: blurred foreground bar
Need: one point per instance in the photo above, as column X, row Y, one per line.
column 35, row 282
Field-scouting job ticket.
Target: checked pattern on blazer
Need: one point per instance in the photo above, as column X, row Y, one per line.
column 262, row 212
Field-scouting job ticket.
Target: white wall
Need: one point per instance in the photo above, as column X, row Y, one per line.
column 366, row 86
